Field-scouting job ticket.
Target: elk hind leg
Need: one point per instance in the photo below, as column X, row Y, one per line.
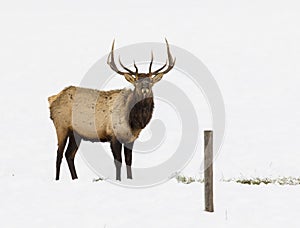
column 71, row 152
column 62, row 136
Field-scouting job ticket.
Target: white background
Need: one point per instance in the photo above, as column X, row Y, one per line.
column 252, row 49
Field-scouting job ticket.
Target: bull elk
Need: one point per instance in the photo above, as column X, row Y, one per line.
column 115, row 116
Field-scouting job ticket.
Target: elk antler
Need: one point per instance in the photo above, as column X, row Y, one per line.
column 132, row 76
column 113, row 66
column 170, row 61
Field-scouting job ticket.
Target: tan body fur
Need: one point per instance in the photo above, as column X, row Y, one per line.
column 94, row 115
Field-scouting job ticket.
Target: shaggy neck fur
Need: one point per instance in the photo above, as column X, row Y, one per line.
column 141, row 111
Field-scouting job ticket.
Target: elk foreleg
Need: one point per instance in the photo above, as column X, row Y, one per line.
column 116, row 148
column 128, row 158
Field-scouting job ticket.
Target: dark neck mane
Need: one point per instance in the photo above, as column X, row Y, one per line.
column 141, row 113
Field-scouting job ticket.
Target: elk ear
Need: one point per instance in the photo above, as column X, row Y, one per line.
column 129, row 78
column 157, row 78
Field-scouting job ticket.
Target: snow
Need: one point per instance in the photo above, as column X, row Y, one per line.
column 252, row 49
column 38, row 203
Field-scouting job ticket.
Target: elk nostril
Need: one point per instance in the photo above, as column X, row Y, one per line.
column 145, row 90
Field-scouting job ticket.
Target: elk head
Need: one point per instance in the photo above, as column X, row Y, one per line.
column 142, row 82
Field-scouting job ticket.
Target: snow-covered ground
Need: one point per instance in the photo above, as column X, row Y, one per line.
column 252, row 49
column 31, row 203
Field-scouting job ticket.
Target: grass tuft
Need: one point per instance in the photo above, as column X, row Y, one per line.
column 250, row 181
column 258, row 181
column 188, row 180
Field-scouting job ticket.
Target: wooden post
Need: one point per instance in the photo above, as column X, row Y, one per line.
column 208, row 171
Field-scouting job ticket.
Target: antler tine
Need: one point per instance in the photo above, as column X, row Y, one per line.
column 136, row 68
column 151, row 62
column 170, row 58
column 125, row 68
column 111, row 59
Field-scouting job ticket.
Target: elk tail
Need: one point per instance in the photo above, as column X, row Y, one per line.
column 51, row 99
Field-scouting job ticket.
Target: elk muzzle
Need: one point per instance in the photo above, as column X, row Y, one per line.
column 145, row 91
